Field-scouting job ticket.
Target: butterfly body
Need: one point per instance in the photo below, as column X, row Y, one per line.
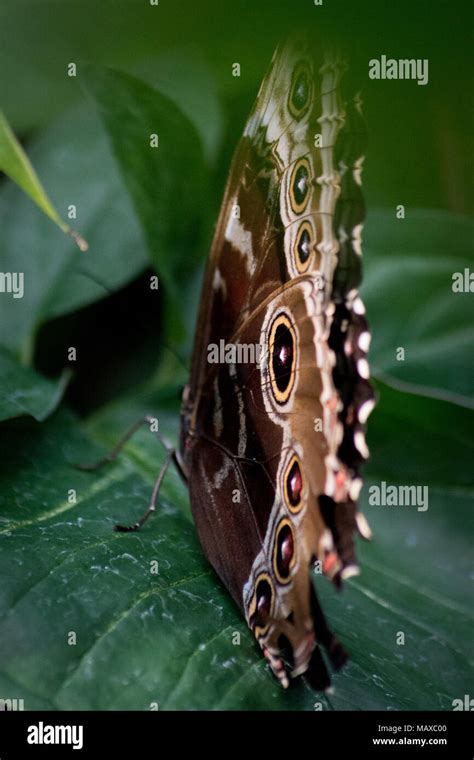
column 271, row 447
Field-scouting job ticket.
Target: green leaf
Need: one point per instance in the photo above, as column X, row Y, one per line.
column 166, row 182
column 407, row 288
column 15, row 164
column 24, row 392
column 196, row 96
column 398, row 433
column 74, row 158
column 415, row 581
column 168, row 638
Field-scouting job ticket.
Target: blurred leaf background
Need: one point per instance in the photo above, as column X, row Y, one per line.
column 167, row 638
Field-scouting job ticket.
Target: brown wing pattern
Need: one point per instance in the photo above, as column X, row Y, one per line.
column 272, row 440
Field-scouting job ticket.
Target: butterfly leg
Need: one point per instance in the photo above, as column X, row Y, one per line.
column 112, row 455
column 154, row 496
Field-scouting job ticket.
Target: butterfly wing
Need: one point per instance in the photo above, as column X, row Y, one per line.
column 272, row 443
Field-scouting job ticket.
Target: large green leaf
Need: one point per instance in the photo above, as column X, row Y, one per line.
column 407, row 288
column 73, row 157
column 161, row 159
column 169, row 638
column 24, row 392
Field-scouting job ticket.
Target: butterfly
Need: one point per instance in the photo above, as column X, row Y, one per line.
column 273, row 418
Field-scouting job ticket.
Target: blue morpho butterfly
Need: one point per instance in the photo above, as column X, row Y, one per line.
column 272, row 440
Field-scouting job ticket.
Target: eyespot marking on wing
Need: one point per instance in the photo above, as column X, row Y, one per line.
column 282, row 353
